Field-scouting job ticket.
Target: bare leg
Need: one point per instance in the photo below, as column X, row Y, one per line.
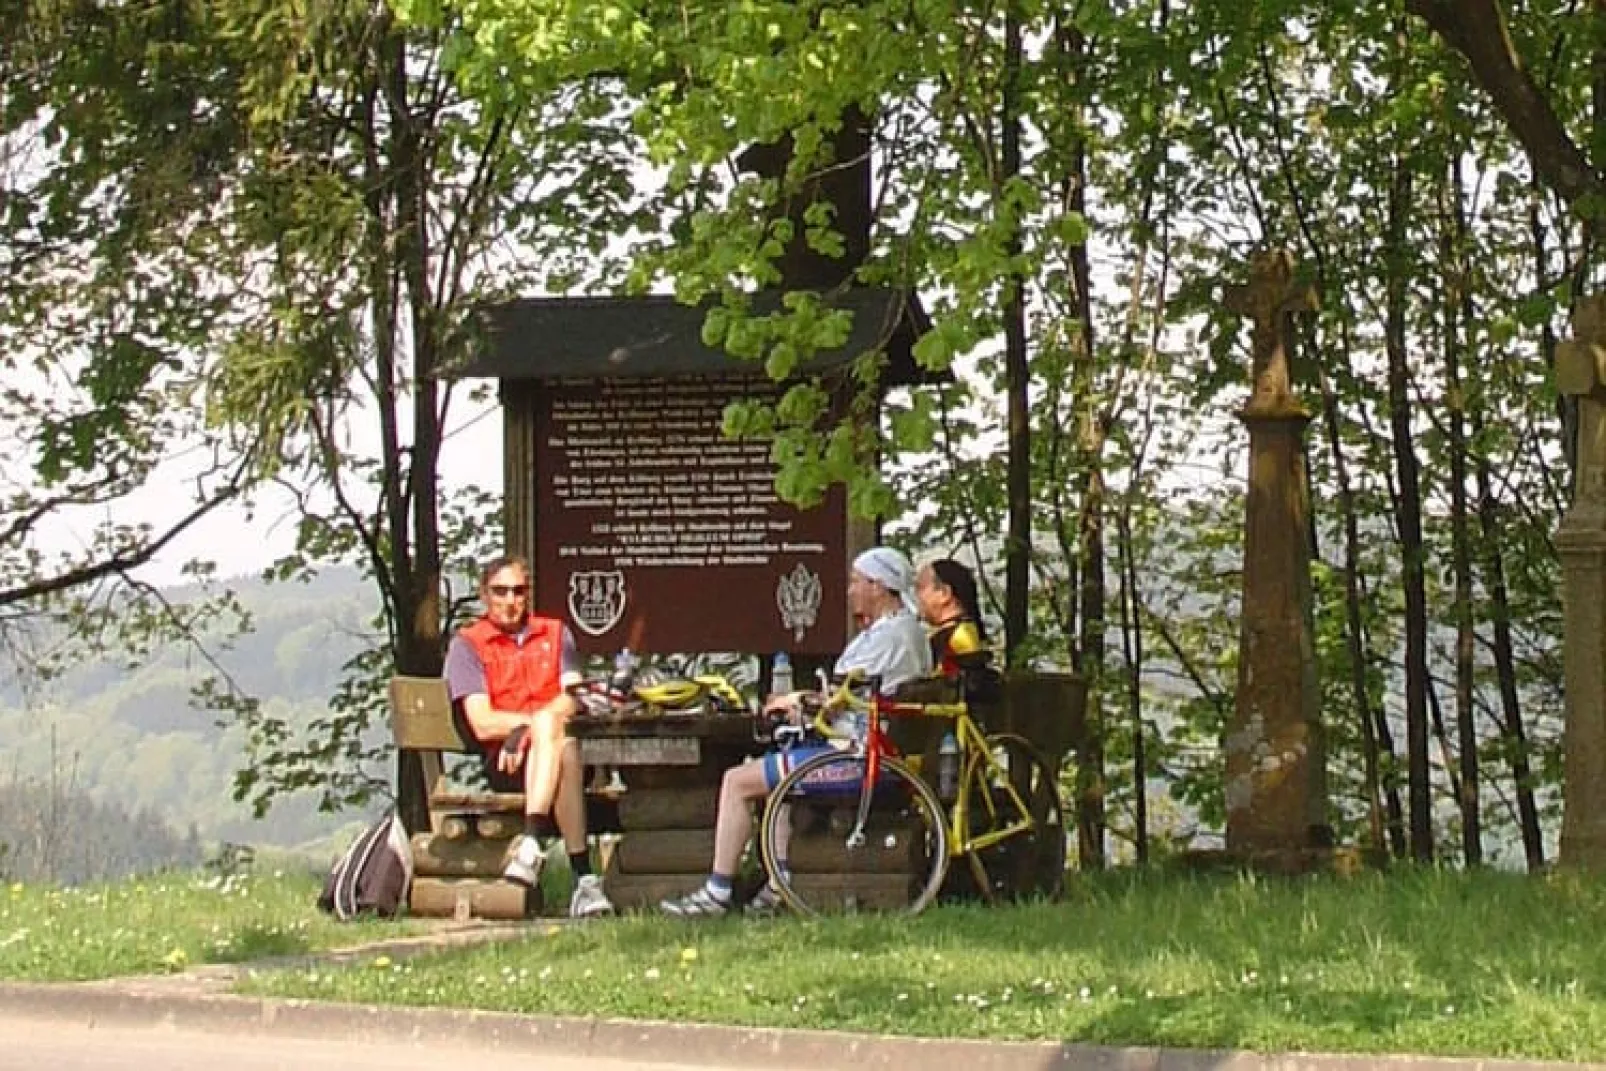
column 571, row 801
column 543, row 763
column 733, row 827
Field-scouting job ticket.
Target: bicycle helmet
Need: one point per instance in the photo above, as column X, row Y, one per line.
column 662, row 691
column 723, row 696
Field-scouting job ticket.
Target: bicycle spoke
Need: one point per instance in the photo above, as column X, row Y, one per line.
column 896, row 865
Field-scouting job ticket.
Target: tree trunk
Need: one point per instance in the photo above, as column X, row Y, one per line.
column 1510, row 722
column 1408, row 516
column 1377, row 744
column 1454, row 263
column 1017, row 372
column 1513, row 734
column 1132, row 643
column 415, row 528
column 1092, row 587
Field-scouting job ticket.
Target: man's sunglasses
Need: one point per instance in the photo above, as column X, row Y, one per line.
column 504, row 590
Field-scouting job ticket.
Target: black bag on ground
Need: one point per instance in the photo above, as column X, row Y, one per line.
column 375, row 874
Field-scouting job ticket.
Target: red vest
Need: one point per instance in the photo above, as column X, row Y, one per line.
column 520, row 678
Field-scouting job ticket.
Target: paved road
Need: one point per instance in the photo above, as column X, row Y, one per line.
column 56, row 1046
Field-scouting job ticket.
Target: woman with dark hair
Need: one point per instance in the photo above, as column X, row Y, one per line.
column 946, row 593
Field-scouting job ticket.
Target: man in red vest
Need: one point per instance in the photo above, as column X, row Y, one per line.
column 509, row 673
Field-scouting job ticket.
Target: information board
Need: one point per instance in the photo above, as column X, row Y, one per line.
column 657, row 533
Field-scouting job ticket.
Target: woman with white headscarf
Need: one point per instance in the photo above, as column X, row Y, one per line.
column 892, row 646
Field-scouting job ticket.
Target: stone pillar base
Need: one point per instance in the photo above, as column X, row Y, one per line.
column 1341, row 861
column 1582, row 549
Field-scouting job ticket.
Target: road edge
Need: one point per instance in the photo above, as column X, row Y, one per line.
column 111, row 1005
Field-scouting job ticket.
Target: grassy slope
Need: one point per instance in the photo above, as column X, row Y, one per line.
column 165, row 923
column 1489, row 964
column 1415, row 961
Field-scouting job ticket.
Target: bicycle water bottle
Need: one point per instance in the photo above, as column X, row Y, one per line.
column 624, row 675
column 948, row 767
column 781, row 674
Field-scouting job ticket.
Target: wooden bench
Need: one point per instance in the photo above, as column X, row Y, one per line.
column 457, row 862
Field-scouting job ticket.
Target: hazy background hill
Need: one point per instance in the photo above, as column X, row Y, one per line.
column 128, row 742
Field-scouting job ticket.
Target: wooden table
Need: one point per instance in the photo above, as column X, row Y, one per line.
column 671, row 766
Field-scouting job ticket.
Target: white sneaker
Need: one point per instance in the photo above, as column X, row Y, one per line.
column 589, row 900
column 697, row 904
column 524, row 862
column 766, row 903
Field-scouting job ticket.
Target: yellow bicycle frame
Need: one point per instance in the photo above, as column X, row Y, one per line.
column 976, row 760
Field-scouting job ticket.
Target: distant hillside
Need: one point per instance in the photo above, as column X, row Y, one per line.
column 132, row 740
column 50, row 834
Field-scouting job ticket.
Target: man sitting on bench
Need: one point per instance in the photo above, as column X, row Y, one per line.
column 508, row 674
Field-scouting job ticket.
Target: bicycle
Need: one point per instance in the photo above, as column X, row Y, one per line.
column 900, row 839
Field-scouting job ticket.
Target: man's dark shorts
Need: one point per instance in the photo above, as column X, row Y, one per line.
column 495, row 779
column 499, row 781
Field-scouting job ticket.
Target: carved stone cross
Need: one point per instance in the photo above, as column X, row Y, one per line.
column 1276, row 790
column 1269, row 300
column 1581, row 373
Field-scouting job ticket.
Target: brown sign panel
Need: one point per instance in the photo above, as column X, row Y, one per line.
column 657, row 533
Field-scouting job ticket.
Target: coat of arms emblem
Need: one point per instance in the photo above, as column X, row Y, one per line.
column 798, row 597
column 597, row 600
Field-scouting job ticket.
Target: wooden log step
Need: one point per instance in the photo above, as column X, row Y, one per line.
column 665, row 851
column 502, row 827
column 668, row 808
column 708, row 772
column 642, row 892
column 465, row 898
column 813, row 817
column 894, row 851
column 457, row 857
column 477, row 802
column 854, row 892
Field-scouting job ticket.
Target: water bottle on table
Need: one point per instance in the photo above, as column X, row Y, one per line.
column 781, row 674
column 624, row 676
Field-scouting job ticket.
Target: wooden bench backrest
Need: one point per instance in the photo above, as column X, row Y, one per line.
column 421, row 716
column 421, row 721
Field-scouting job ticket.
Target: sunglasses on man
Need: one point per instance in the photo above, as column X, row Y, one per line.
column 504, row 590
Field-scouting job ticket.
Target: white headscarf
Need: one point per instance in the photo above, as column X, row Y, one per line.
column 891, row 570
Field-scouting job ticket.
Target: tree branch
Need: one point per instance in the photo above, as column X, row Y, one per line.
column 117, row 563
column 1477, row 30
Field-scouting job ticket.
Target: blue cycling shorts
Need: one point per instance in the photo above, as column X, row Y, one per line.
column 777, row 764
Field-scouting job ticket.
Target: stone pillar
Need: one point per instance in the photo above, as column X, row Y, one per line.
column 1581, row 545
column 1276, row 791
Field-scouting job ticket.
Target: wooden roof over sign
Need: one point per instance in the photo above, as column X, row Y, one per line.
column 616, row 337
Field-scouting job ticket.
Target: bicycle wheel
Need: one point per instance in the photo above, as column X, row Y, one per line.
column 821, row 860
column 1014, row 809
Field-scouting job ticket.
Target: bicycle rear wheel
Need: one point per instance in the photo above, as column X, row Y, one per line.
column 808, row 841
column 1018, row 789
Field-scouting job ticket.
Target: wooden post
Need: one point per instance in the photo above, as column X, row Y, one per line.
column 1276, row 764
column 845, row 186
column 519, row 448
column 1581, row 545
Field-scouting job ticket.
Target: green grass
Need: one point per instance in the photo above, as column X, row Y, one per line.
column 165, row 923
column 1415, row 961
